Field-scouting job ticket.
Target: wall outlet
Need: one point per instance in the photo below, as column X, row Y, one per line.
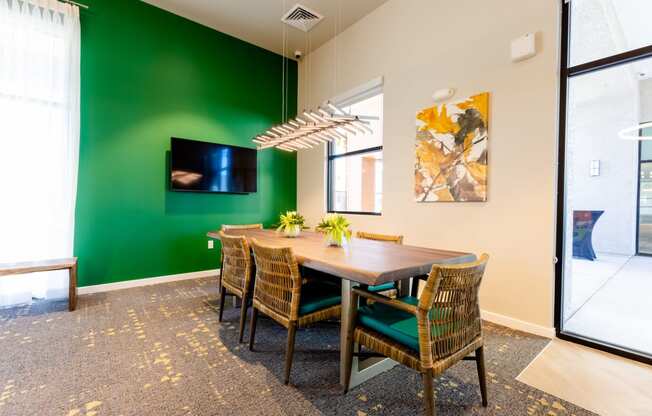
column 211, row 244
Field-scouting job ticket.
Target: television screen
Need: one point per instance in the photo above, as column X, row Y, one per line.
column 210, row 167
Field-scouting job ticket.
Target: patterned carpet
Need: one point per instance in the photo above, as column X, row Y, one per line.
column 158, row 350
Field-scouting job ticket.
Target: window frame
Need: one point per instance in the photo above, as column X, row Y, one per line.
column 365, row 92
column 641, row 161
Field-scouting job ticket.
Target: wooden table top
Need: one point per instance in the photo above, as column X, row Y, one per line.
column 364, row 261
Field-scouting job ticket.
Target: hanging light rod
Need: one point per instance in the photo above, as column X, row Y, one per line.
column 316, row 127
column 74, row 3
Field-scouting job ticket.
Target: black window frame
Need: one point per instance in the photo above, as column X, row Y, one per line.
column 329, row 173
column 567, row 73
column 641, row 161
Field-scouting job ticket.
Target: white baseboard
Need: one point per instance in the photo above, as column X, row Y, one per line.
column 84, row 290
column 518, row 324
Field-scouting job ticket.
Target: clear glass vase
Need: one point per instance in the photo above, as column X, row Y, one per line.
column 334, row 242
column 292, row 231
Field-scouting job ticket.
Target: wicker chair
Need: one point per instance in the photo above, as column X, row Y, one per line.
column 429, row 334
column 396, row 239
column 226, row 227
column 236, row 274
column 280, row 294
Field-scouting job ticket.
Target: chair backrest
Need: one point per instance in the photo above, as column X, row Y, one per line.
column 236, row 261
column 242, row 227
column 278, row 281
column 398, row 239
column 449, row 311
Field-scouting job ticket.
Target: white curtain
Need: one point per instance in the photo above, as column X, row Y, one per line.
column 39, row 141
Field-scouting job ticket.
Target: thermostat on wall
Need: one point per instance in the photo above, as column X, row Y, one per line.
column 524, row 47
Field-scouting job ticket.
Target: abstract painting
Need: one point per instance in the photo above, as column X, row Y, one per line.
column 451, row 151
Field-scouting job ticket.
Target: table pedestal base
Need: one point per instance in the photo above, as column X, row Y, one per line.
column 362, row 369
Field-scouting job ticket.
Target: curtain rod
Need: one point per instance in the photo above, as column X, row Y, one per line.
column 83, row 6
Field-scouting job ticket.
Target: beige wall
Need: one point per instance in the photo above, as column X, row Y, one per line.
column 419, row 46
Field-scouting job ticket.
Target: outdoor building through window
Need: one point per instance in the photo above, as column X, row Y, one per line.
column 355, row 162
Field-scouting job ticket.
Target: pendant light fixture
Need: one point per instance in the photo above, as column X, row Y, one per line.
column 312, row 127
column 636, row 132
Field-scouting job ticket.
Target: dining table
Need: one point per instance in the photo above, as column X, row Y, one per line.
column 357, row 262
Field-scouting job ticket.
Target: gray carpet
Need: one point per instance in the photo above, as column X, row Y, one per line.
column 158, row 350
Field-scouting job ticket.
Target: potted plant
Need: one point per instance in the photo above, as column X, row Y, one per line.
column 336, row 228
column 291, row 223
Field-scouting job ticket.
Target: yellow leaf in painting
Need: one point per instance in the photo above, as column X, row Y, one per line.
column 478, row 171
column 430, row 157
column 439, row 122
column 480, row 102
column 444, row 195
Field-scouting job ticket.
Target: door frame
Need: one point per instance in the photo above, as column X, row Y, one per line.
column 566, row 73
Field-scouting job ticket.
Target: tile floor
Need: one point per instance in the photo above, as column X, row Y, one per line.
column 610, row 300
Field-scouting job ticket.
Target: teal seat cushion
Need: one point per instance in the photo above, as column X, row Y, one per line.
column 316, row 296
column 395, row 324
column 381, row 288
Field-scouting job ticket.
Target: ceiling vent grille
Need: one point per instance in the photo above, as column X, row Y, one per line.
column 302, row 18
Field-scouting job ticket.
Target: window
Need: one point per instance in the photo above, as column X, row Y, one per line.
column 39, row 141
column 355, row 161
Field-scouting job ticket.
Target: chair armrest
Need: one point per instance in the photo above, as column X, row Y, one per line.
column 394, row 303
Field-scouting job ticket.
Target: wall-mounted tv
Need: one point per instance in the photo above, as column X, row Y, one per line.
column 210, row 167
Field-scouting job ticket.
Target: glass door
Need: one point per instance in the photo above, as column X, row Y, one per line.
column 604, row 247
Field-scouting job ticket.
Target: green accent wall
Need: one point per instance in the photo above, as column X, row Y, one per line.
column 148, row 75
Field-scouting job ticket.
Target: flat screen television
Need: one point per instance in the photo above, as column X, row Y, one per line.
column 210, row 167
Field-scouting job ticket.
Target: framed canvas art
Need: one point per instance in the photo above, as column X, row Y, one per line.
column 452, row 151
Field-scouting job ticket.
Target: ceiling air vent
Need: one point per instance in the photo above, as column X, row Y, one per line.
column 302, row 18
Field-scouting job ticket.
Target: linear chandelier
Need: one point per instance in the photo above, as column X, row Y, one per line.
column 625, row 133
column 316, row 127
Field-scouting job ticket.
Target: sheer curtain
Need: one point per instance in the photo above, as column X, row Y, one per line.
column 39, row 140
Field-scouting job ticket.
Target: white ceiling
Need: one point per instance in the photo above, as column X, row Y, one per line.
column 259, row 21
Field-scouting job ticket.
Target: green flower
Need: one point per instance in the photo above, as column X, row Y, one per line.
column 289, row 220
column 336, row 228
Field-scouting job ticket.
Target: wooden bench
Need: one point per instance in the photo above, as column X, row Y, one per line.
column 70, row 264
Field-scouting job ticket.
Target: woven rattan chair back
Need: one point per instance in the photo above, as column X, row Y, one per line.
column 226, row 227
column 278, row 282
column 398, row 239
column 449, row 305
column 236, row 262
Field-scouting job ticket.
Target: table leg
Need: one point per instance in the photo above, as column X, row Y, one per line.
column 403, row 288
column 362, row 370
column 72, row 288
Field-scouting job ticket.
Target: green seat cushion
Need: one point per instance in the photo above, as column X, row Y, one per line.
column 381, row 288
column 317, row 296
column 395, row 324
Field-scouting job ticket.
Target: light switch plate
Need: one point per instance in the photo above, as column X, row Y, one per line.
column 211, row 244
column 594, row 170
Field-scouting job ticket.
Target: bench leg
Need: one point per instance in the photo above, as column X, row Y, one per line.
column 72, row 288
